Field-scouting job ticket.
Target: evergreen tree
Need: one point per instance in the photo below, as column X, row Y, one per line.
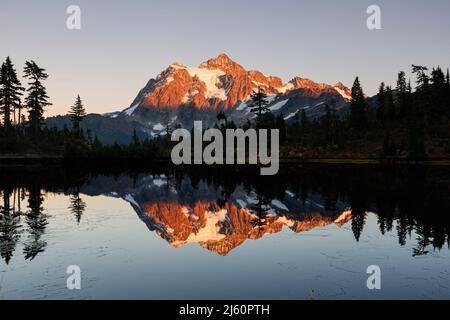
column 20, row 116
column 258, row 103
column 135, row 139
column 37, row 97
column 10, row 92
column 358, row 116
column 423, row 79
column 381, row 98
column 401, row 83
column 418, row 122
column 77, row 113
column 390, row 106
column 437, row 77
column 402, row 92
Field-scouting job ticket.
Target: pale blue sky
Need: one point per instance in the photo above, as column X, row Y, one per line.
column 124, row 43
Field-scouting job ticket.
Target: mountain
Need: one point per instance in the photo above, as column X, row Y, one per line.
column 181, row 94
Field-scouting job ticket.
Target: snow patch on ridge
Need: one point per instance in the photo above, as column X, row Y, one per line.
column 271, row 97
column 285, row 88
column 280, row 205
column 342, row 93
column 291, row 115
column 131, row 109
column 210, row 232
column 278, row 105
column 242, row 106
column 210, row 78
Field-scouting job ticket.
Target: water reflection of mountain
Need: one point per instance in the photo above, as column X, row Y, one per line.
column 220, row 209
column 205, row 215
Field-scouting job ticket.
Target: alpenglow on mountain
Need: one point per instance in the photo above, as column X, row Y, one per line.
column 181, row 94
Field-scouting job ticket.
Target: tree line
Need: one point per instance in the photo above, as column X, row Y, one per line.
column 399, row 122
column 22, row 121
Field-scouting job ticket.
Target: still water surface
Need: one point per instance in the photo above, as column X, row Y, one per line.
column 308, row 233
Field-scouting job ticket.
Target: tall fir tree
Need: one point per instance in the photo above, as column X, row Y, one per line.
column 37, row 97
column 402, row 93
column 259, row 102
column 422, row 79
column 10, row 92
column 437, row 77
column 381, row 99
column 358, row 113
column 20, row 116
column 77, row 113
column 390, row 106
column 401, row 82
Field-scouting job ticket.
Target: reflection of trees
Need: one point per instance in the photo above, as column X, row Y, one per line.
column 77, row 206
column 409, row 198
column 265, row 193
column 357, row 196
column 406, row 200
column 260, row 209
column 422, row 241
column 36, row 221
column 9, row 227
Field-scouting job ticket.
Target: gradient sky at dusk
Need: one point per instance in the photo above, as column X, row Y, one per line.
column 122, row 44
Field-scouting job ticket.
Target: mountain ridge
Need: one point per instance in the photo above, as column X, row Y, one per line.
column 179, row 95
column 220, row 82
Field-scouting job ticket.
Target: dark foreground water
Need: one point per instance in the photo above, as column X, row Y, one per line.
column 164, row 233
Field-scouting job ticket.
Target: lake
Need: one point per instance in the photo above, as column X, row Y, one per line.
column 162, row 232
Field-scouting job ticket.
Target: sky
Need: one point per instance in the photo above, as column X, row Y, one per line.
column 122, row 44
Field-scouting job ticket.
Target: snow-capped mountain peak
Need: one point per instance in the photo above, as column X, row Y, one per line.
column 345, row 92
column 180, row 94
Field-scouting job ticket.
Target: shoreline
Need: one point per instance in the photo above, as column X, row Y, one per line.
column 26, row 159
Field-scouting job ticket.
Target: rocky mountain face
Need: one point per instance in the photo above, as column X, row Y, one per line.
column 181, row 94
